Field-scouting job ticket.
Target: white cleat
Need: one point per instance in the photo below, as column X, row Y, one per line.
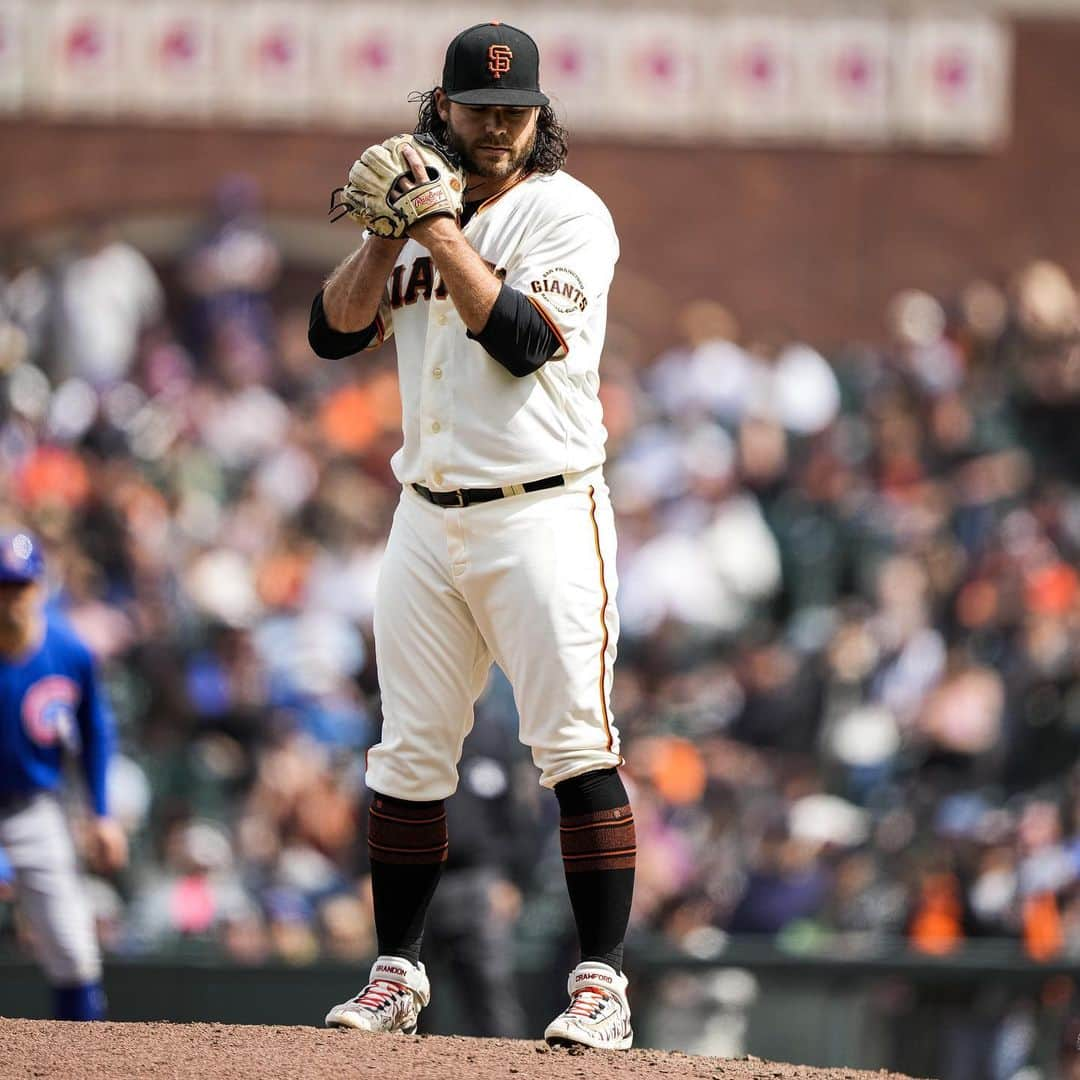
column 598, row 1014
column 390, row 1003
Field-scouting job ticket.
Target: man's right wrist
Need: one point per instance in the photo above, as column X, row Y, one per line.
column 338, row 320
column 333, row 344
column 336, row 326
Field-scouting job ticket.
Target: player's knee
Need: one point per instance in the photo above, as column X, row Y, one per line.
column 406, row 832
column 599, row 789
column 558, row 767
column 596, row 825
column 407, row 777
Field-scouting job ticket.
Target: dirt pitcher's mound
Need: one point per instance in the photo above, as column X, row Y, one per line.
column 46, row 1048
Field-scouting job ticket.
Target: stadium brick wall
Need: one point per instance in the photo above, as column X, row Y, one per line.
column 800, row 240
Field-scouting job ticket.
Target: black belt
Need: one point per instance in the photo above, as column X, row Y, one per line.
column 468, row 496
column 11, row 801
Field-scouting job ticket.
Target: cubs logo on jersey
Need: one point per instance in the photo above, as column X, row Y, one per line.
column 48, row 711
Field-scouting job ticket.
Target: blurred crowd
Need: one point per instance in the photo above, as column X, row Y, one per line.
column 849, row 674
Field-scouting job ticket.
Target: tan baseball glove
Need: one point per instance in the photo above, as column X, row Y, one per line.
column 379, row 196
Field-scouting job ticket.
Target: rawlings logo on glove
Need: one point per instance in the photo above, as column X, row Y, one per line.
column 385, row 196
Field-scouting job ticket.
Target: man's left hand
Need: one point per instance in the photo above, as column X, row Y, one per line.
column 108, row 845
column 403, row 181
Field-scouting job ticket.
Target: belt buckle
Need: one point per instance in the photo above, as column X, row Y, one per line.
column 460, row 497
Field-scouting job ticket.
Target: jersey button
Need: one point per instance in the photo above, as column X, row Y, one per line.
column 437, row 373
column 436, row 427
column 441, row 320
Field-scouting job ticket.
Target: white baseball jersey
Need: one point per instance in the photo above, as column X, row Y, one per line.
column 528, row 580
column 467, row 421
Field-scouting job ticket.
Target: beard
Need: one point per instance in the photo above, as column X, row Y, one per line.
column 489, row 170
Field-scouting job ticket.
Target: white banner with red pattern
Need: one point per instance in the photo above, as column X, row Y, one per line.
column 14, row 63
column 755, row 81
column 268, row 50
column 955, row 83
column 176, row 54
column 846, row 80
column 79, row 56
column 838, row 78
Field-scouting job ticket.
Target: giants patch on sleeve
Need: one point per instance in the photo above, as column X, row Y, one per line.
column 561, row 289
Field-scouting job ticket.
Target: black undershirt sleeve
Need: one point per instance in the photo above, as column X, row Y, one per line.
column 332, row 344
column 516, row 334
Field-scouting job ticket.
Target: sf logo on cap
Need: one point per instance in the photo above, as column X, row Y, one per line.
column 499, row 57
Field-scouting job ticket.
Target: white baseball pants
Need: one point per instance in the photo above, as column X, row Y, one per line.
column 47, row 888
column 527, row 581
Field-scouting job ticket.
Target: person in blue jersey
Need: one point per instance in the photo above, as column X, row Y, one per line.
column 51, row 703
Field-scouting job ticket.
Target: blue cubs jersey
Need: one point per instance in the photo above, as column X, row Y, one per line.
column 50, row 702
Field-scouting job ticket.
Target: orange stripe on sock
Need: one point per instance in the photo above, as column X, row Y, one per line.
column 606, row 824
column 408, row 851
column 407, row 821
column 601, row 854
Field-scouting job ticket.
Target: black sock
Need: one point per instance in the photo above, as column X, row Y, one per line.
column 407, row 843
column 599, row 850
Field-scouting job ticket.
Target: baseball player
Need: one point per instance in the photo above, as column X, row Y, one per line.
column 503, row 542
column 50, row 701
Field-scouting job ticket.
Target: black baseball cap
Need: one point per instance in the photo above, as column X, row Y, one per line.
column 493, row 63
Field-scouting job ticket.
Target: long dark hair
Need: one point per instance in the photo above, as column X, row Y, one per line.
column 548, row 154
